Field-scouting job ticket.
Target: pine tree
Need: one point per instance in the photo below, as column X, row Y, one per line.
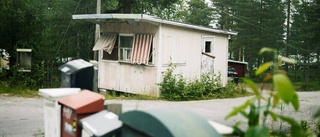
column 258, row 23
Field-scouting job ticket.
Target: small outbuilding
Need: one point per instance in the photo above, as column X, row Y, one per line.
column 135, row 48
column 239, row 66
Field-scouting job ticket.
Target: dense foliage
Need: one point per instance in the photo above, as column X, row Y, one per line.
column 46, row 28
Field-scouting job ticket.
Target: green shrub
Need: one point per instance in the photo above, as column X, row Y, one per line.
column 231, row 90
column 173, row 85
column 176, row 87
column 211, row 84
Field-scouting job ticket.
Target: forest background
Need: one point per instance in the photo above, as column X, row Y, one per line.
column 46, row 26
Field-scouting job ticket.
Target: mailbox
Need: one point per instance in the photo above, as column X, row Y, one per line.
column 77, row 73
column 101, row 124
column 52, row 110
column 76, row 107
column 165, row 123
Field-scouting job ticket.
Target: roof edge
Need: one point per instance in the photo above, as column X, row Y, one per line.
column 100, row 17
column 239, row 62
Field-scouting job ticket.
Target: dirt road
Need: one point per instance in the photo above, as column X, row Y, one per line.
column 23, row 117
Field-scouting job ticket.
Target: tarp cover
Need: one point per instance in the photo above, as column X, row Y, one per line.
column 141, row 49
column 106, row 42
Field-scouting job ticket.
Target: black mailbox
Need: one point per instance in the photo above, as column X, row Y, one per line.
column 77, row 73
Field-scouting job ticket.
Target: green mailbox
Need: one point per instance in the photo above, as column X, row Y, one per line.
column 165, row 123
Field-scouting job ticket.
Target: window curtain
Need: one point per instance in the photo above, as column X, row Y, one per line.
column 141, row 49
column 106, row 42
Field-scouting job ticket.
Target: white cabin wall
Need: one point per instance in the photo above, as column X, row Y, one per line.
column 221, row 58
column 184, row 48
column 188, row 48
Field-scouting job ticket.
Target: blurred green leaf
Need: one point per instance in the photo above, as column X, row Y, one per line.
column 296, row 129
column 266, row 50
column 244, row 114
column 239, row 123
column 275, row 100
column 273, row 115
column 236, row 110
column 263, row 68
column 288, row 60
column 253, row 119
column 317, row 114
column 257, row 131
column 295, row 101
column 237, row 130
column 289, row 120
column 252, row 86
column 285, row 90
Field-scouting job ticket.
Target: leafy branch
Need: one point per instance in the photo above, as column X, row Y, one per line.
column 282, row 92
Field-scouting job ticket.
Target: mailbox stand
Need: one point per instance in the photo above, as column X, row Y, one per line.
column 52, row 110
column 76, row 107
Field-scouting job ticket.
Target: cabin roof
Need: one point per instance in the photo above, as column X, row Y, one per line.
column 132, row 18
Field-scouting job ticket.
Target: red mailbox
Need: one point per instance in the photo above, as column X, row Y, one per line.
column 76, row 107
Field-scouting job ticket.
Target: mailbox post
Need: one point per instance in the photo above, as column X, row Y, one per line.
column 76, row 107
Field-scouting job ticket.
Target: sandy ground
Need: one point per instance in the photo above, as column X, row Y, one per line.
column 23, row 117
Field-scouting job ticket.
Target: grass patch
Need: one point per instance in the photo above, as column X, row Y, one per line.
column 109, row 95
column 17, row 91
column 302, row 86
column 232, row 90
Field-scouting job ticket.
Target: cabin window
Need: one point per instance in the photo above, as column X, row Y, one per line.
column 151, row 53
column 208, row 47
column 132, row 48
column 113, row 55
column 125, row 47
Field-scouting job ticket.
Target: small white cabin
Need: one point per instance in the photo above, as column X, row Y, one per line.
column 135, row 48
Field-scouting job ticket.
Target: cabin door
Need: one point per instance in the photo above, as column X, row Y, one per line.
column 207, row 57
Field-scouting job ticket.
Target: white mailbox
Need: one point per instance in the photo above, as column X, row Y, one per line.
column 52, row 110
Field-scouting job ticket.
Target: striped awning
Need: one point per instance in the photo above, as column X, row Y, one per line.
column 106, row 42
column 141, row 49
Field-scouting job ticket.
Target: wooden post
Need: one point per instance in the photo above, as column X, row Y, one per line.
column 287, row 34
column 97, row 34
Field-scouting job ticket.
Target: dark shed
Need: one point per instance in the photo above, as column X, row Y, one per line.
column 239, row 66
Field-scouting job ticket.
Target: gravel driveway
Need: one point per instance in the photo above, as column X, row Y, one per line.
column 23, row 117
